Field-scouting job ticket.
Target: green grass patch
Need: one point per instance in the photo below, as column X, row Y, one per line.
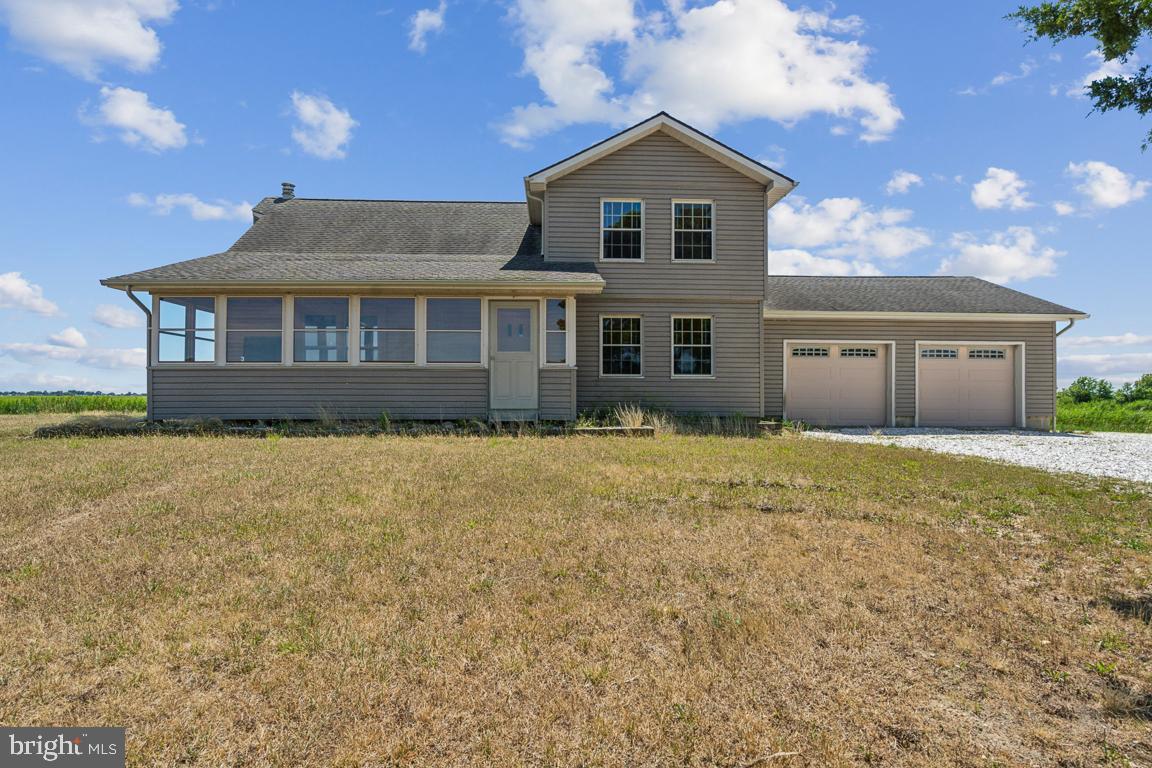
column 1105, row 416
column 19, row 404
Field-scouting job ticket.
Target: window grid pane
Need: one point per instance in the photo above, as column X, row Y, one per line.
column 621, row 352
column 692, row 231
column 621, row 229
column 692, row 346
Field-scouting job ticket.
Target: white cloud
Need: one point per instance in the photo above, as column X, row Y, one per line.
column 200, row 210
column 141, row 123
column 1008, row 256
column 112, row 316
column 1124, row 339
column 1001, row 188
column 902, row 181
column 93, row 357
column 1026, row 68
column 17, row 293
column 845, row 227
column 1102, row 69
column 1133, row 364
column 749, row 59
column 795, row 261
column 69, row 337
column 39, row 381
column 323, row 129
column 426, row 21
column 1106, row 186
column 1063, row 208
column 83, row 35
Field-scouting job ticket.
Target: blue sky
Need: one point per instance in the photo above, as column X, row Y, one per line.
column 927, row 138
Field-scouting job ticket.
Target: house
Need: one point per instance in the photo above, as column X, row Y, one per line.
column 635, row 271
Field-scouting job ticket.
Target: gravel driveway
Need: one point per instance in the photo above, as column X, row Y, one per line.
column 1104, row 454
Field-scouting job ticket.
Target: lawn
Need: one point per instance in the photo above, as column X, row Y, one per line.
column 571, row 601
column 1104, row 416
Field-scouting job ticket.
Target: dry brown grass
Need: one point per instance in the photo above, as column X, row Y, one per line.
column 570, row 601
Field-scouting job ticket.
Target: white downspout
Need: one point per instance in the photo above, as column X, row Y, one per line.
column 148, row 346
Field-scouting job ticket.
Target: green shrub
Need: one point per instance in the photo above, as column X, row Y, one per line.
column 1087, row 389
column 1141, row 389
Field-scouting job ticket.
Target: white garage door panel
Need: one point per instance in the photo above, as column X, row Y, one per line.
column 967, row 391
column 837, row 390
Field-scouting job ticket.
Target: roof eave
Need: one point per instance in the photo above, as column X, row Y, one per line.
column 785, row 314
column 508, row 286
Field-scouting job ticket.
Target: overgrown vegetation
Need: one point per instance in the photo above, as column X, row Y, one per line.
column 1090, row 404
column 482, row 600
column 18, row 404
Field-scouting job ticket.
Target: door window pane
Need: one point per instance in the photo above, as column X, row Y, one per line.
column 513, row 330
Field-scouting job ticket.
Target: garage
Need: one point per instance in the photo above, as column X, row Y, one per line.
column 837, row 384
column 967, row 385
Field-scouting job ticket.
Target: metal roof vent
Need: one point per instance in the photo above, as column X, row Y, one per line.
column 287, row 190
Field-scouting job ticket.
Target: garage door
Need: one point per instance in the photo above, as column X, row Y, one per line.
column 842, row 385
column 967, row 386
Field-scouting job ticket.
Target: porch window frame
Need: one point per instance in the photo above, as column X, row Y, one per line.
column 217, row 318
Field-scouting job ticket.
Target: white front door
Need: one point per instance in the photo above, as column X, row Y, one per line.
column 514, row 357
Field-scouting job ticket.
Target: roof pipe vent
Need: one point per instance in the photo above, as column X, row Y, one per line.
column 287, row 190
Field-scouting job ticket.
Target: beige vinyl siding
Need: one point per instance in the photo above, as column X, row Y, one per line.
column 734, row 389
column 1039, row 365
column 363, row 392
column 658, row 169
column 557, row 394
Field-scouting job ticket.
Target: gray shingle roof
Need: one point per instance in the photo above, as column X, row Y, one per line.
column 304, row 240
column 902, row 294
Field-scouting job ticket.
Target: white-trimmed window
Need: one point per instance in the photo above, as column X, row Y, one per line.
column 986, row 354
column 937, row 353
column 388, row 330
column 254, row 329
column 621, row 346
column 691, row 346
column 320, row 329
column 186, row 329
column 858, row 352
column 622, row 230
column 556, row 332
column 692, row 230
column 453, row 330
column 809, row 351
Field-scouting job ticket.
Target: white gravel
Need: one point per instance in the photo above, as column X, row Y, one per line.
column 1104, row 454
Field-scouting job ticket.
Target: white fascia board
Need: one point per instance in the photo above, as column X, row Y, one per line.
column 770, row 314
column 688, row 135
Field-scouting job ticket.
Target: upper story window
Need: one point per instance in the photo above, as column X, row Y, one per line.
column 692, row 230
column 388, row 330
column 622, row 230
column 254, row 334
column 320, row 330
column 187, row 329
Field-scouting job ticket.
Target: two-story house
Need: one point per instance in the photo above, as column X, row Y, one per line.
column 636, row 271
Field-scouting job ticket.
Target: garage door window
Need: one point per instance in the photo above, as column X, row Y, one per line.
column 938, row 354
column 857, row 352
column 809, row 351
column 985, row 354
